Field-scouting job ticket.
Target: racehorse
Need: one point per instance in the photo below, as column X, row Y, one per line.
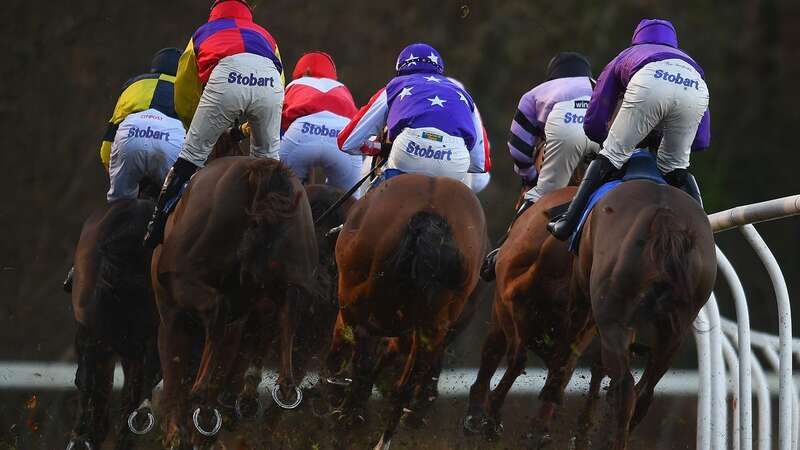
column 535, row 309
column 239, row 254
column 645, row 267
column 408, row 259
column 116, row 316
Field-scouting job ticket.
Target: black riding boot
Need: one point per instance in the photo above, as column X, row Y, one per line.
column 684, row 180
column 68, row 280
column 596, row 174
column 180, row 173
column 487, row 269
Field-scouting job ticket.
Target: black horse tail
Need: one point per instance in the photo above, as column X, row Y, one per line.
column 273, row 201
column 668, row 249
column 429, row 254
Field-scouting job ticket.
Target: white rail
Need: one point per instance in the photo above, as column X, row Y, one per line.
column 712, row 424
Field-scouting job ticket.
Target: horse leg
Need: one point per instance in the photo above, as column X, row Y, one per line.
column 587, row 416
column 133, row 369
column 174, row 347
column 657, row 365
column 425, row 394
column 339, row 354
column 494, row 348
column 426, row 349
column 287, row 386
column 94, row 379
column 221, row 347
column 353, row 410
column 615, row 340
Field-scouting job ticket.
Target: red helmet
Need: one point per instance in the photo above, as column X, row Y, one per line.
column 315, row 64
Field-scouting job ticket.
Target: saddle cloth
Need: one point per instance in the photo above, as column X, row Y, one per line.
column 641, row 166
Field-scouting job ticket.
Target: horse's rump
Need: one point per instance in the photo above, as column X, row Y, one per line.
column 111, row 267
column 410, row 242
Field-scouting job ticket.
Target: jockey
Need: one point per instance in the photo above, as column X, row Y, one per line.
column 315, row 110
column 432, row 123
column 231, row 69
column 478, row 181
column 549, row 118
column 143, row 137
column 149, row 91
column 662, row 89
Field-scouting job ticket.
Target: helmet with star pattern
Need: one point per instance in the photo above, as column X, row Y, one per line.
column 419, row 58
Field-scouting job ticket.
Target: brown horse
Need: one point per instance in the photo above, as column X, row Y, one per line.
column 116, row 316
column 647, row 266
column 239, row 252
column 408, row 259
column 534, row 309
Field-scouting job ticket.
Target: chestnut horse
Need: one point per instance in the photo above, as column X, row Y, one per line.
column 239, row 252
column 646, row 266
column 408, row 259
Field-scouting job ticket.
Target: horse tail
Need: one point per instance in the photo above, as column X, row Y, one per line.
column 430, row 255
column 668, row 249
column 273, row 200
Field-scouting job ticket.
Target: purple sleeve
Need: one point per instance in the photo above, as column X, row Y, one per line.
column 702, row 140
column 523, row 136
column 603, row 103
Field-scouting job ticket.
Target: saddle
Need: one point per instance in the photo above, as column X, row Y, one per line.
column 641, row 166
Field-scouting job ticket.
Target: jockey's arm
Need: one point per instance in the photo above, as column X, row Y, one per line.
column 369, row 121
column 604, row 100
column 188, row 88
column 523, row 138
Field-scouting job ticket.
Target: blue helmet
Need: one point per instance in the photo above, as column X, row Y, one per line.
column 419, row 58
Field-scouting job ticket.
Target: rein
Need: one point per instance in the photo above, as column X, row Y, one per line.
column 350, row 192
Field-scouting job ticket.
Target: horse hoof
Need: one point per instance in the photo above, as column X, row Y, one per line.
column 413, row 419
column 538, row 440
column 247, row 407
column 350, row 419
column 472, row 425
column 492, row 429
column 339, row 381
column 75, row 444
column 214, row 428
column 151, row 421
column 276, row 395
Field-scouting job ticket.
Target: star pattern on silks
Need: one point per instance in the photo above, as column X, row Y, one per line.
column 433, row 79
column 434, row 58
column 405, row 92
column 462, row 98
column 411, row 60
column 436, row 101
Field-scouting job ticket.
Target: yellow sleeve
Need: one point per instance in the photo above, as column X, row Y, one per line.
column 187, row 86
column 105, row 153
column 278, row 55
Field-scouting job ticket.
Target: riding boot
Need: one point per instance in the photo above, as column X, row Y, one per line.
column 596, row 174
column 178, row 175
column 68, row 281
column 685, row 181
column 487, row 269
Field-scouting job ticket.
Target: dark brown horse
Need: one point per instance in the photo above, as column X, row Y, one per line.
column 647, row 265
column 116, row 316
column 239, row 252
column 408, row 259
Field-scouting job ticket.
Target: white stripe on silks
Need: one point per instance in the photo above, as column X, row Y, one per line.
column 321, row 84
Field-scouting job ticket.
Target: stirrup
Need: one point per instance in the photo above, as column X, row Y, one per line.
column 488, row 267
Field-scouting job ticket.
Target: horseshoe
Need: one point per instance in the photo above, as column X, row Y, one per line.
column 217, row 423
column 151, row 420
column 276, row 396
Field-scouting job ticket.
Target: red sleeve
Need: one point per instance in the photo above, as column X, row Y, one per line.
column 346, row 131
column 487, row 165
